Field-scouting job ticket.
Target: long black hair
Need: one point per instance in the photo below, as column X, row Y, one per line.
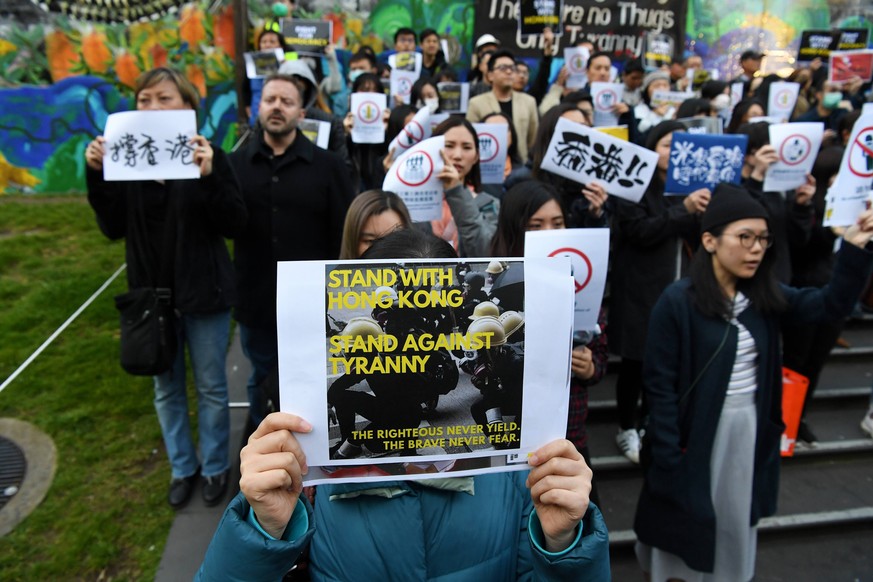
column 474, row 176
column 512, row 151
column 517, row 206
column 762, row 289
column 410, row 243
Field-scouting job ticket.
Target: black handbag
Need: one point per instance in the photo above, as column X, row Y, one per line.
column 148, row 317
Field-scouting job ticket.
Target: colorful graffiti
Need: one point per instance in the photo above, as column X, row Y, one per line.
column 59, row 79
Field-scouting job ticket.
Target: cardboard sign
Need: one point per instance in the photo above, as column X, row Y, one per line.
column 368, row 109
column 605, row 97
column 783, row 97
column 535, row 15
column 702, row 161
column 150, row 145
column 846, row 65
column 576, row 61
column 454, row 97
column 586, row 155
column 413, row 177
column 376, row 373
column 307, row 37
column 797, row 145
column 493, row 146
column 262, row 63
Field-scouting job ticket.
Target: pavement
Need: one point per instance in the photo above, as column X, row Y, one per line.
column 195, row 523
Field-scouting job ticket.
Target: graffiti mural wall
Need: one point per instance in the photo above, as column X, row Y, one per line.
column 59, row 79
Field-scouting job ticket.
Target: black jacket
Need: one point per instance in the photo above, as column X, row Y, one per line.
column 207, row 210
column 297, row 204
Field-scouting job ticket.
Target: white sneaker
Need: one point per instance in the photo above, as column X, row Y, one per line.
column 628, row 442
column 867, row 423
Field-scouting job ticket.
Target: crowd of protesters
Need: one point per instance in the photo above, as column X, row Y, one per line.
column 701, row 289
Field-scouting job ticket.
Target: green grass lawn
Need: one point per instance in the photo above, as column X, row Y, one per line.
column 105, row 516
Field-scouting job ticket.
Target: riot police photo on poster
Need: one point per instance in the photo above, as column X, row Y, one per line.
column 423, row 368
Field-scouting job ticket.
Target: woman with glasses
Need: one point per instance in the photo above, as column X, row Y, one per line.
column 713, row 383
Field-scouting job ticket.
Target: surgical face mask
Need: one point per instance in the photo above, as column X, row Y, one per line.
column 831, row 99
column 721, row 102
column 432, row 104
column 354, row 74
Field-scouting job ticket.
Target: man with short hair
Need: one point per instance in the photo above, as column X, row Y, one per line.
column 432, row 57
column 521, row 108
column 522, row 76
column 750, row 63
column 404, row 40
column 297, row 196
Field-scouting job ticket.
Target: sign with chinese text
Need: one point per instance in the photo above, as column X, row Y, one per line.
column 413, row 177
column 150, row 145
column 702, row 161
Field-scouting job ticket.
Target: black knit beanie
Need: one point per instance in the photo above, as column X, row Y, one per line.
column 730, row 202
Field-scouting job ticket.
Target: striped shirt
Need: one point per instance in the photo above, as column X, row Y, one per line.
column 744, row 376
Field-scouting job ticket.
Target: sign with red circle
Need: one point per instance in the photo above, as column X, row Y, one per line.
column 489, row 147
column 415, row 169
column 861, row 154
column 606, row 100
column 404, row 86
column 795, row 149
column 369, row 112
column 412, row 134
column 580, row 266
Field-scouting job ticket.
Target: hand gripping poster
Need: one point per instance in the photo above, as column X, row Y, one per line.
column 424, row 368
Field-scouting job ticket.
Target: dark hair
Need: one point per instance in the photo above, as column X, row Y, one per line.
column 544, row 135
column 426, row 33
column 504, row 53
column 827, row 164
column 847, row 123
column 363, row 55
column 759, row 135
column 298, row 84
column 740, row 110
column 150, row 78
column 405, row 30
column 662, row 129
column 474, row 177
column 633, row 66
column 415, row 92
column 512, row 151
column 762, row 288
column 363, row 207
column 577, row 97
column 369, row 83
column 712, row 89
column 447, row 74
column 692, row 107
column 596, row 55
column 519, row 203
column 410, row 243
column 397, row 121
column 279, row 35
column 762, row 93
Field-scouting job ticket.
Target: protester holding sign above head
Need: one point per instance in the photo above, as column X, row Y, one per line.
column 520, row 107
column 174, row 238
column 658, row 232
column 713, row 382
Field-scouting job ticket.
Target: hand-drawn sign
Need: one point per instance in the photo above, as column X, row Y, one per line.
column 606, row 100
column 416, row 170
column 580, row 265
column 795, row 149
column 489, row 147
column 369, row 112
column 861, row 154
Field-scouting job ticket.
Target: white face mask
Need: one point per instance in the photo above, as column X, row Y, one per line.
column 432, row 104
column 721, row 102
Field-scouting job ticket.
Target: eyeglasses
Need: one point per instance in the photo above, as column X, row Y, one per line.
column 748, row 240
column 506, row 68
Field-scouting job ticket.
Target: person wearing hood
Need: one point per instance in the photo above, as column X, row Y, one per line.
column 316, row 109
column 647, row 113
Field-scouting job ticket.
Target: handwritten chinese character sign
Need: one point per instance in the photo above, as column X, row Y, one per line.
column 150, row 145
column 703, row 160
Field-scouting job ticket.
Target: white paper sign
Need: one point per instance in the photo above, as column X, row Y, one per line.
column 673, row 98
column 588, row 251
column 368, row 109
column 454, row 97
column 847, row 197
column 586, row 155
column 797, row 145
column 150, row 145
column 783, row 96
column 605, row 97
column 410, row 62
column 576, row 61
column 401, row 85
column 261, row 63
column 493, row 144
column 413, row 177
column 416, row 130
column 316, row 131
column 320, row 369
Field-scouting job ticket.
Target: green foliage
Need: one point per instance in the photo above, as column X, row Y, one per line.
column 105, row 516
column 64, row 171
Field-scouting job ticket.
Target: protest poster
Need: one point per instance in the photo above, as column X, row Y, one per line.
column 710, row 125
column 417, row 129
column 659, row 50
column 671, row 98
column 436, row 119
column 736, row 93
column 406, row 61
column 493, row 146
column 605, row 97
column 535, row 15
column 401, row 85
column 365, row 345
column 413, row 177
column 368, row 109
column 261, row 63
column 852, row 39
column 617, row 131
column 844, row 66
column 783, row 97
column 576, row 61
column 848, row 195
column 797, row 145
column 318, row 132
column 586, row 155
column 702, row 161
column 150, row 145
column 454, row 97
column 307, row 37
column 817, row 44
column 588, row 251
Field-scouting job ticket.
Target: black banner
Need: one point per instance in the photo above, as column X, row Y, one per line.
column 852, row 39
column 307, row 37
column 615, row 26
column 534, row 15
column 817, row 44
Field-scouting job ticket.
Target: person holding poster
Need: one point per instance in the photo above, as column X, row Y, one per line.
column 487, row 527
column 829, row 109
column 649, row 115
column 270, row 38
column 714, row 357
column 174, row 230
column 652, row 247
column 367, row 157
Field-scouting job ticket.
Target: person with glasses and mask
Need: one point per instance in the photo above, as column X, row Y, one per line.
column 713, row 384
column 521, row 108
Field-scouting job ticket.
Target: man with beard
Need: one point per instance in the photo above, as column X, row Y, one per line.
column 297, row 195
